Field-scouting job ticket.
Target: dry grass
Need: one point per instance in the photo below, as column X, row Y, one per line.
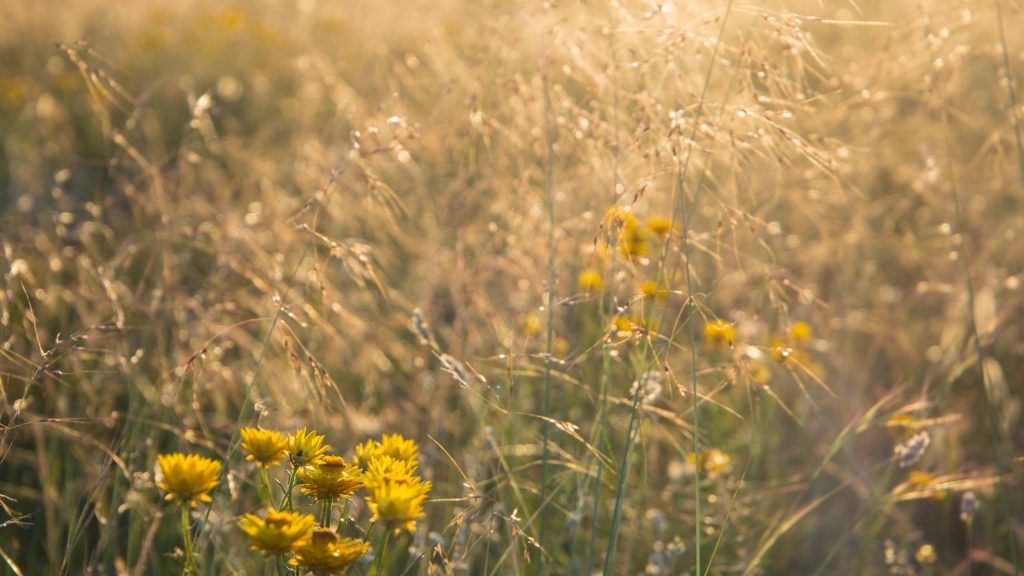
column 339, row 215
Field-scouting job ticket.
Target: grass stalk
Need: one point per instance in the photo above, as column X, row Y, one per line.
column 550, row 306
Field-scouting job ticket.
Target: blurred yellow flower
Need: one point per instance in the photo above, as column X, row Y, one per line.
column 712, row 461
column 279, row 532
column 266, row 447
column 779, row 351
column 633, row 241
column 800, row 332
column 926, row 554
column 650, row 287
column 622, row 324
column 719, row 334
column 306, row 448
column 391, row 445
column 660, row 225
column 332, row 478
column 324, row 552
column 188, row 478
column 531, row 324
column 591, row 281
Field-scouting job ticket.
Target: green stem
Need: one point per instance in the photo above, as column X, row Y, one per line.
column 341, row 517
column 266, row 493
column 186, row 534
column 328, row 508
column 379, row 563
column 287, row 501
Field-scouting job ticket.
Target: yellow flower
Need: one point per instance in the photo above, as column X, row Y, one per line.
column 305, row 448
column 622, row 324
column 926, row 554
column 719, row 334
column 188, row 478
column 398, row 502
column 779, row 351
column 279, row 532
column 712, row 461
column 392, row 445
column 660, row 225
column 633, row 241
column 800, row 332
column 387, row 469
column 650, row 287
column 327, row 553
column 591, row 282
column 332, row 477
column 531, row 324
column 266, row 447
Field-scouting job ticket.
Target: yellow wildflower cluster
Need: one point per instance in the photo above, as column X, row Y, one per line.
column 635, row 237
column 386, row 468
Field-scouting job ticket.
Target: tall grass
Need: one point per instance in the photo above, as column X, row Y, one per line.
column 662, row 288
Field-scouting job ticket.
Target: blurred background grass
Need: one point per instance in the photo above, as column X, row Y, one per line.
column 218, row 213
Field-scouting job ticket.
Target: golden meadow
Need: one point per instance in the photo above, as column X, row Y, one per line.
column 505, row 287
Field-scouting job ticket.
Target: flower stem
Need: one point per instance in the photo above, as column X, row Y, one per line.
column 287, row 501
column 265, row 491
column 341, row 517
column 379, row 564
column 186, row 534
column 325, row 518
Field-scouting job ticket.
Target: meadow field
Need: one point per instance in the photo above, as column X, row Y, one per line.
column 717, row 287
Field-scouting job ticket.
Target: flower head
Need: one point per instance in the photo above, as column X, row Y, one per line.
column 305, row 447
column 634, row 240
column 622, row 325
column 391, row 445
column 327, row 553
column 266, row 447
column 398, row 503
column 590, row 281
column 713, row 462
column 719, row 334
column 779, row 352
column 332, row 477
column 387, row 469
column 650, row 288
column 660, row 225
column 188, row 478
column 279, row 532
column 800, row 333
